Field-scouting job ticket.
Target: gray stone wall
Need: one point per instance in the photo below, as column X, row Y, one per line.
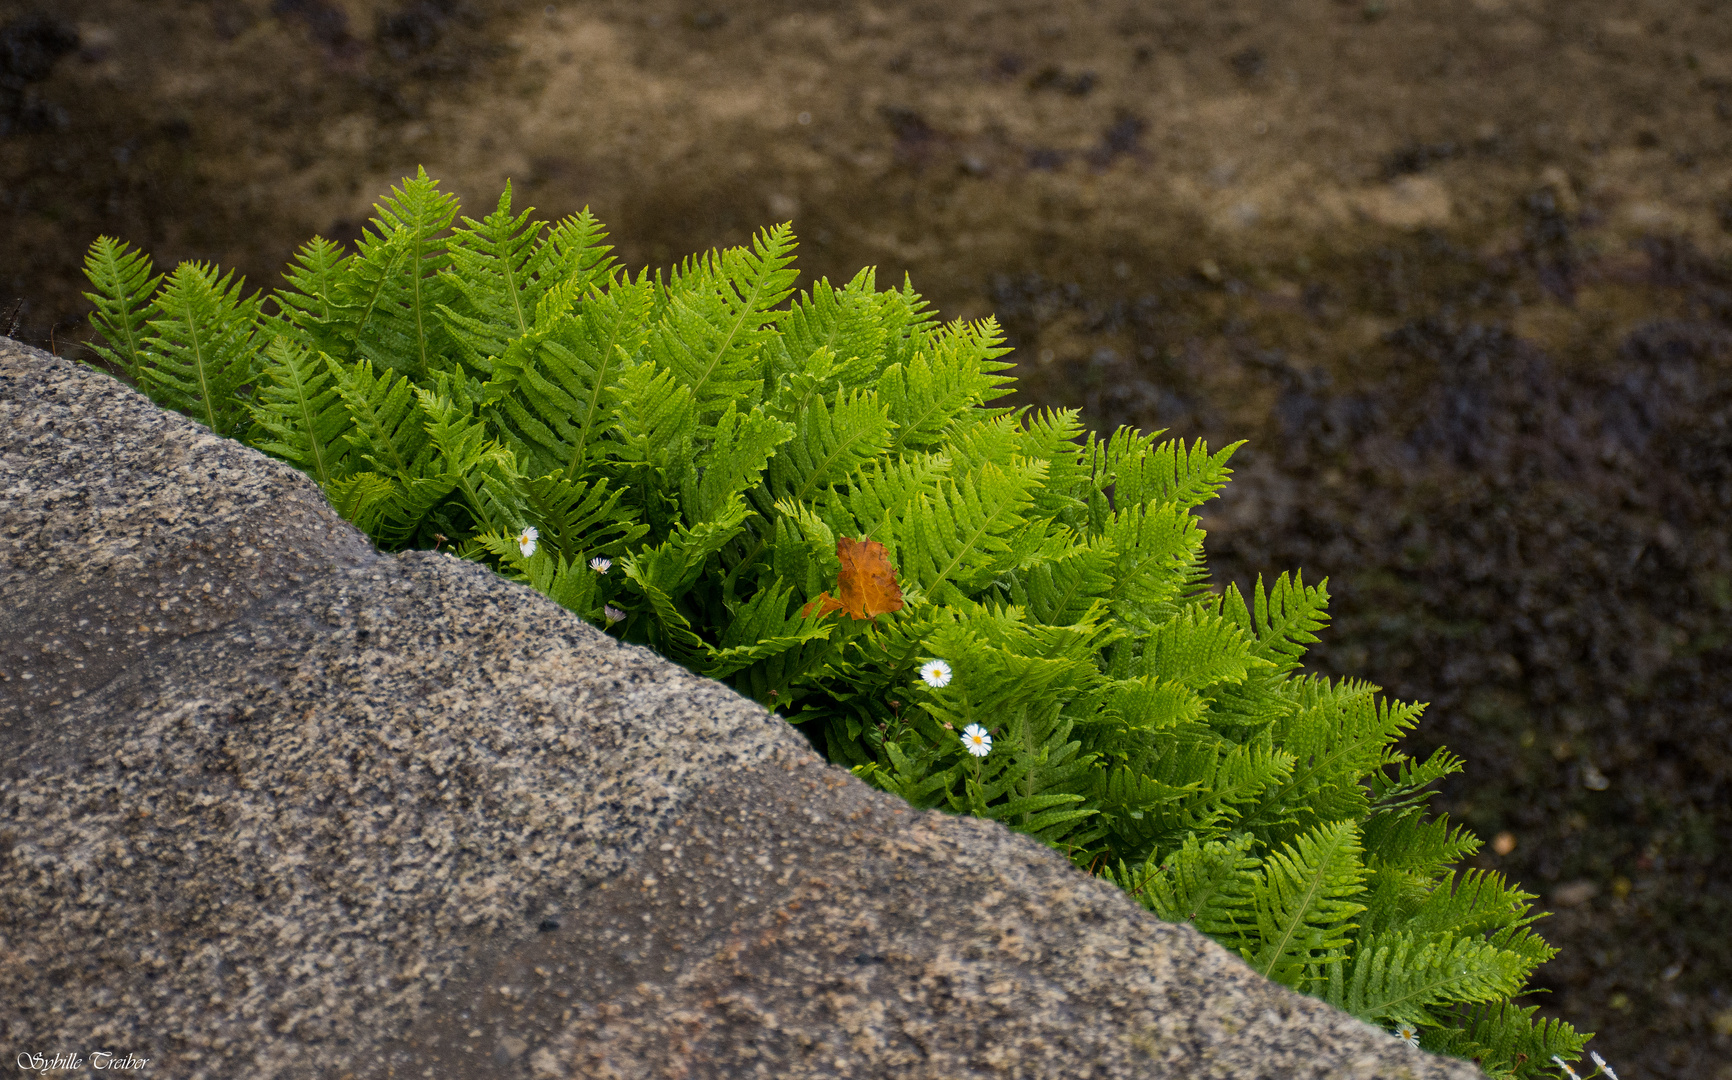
column 275, row 805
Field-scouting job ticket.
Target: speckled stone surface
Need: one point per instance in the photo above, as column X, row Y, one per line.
column 275, row 805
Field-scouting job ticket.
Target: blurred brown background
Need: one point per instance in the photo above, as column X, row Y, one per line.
column 1460, row 270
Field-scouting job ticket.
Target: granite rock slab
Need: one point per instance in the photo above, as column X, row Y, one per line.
column 273, row 804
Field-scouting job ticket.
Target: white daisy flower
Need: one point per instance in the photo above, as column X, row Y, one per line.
column 1408, row 1034
column 1601, row 1062
column 600, row 565
column 611, row 613
column 974, row 737
column 936, row 673
column 526, row 541
column 1565, row 1067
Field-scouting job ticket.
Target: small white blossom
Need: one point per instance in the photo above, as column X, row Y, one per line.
column 1408, row 1034
column 526, row 541
column 979, row 743
column 936, row 673
column 612, row 614
column 600, row 565
column 1566, row 1068
column 1601, row 1062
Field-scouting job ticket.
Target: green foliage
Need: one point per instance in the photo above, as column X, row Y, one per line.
column 674, row 458
column 122, row 300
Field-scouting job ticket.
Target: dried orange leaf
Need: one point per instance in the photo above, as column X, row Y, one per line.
column 867, row 584
column 825, row 605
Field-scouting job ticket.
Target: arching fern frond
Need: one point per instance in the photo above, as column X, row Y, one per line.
column 390, row 298
column 300, row 413
column 1304, row 903
column 714, row 328
column 123, row 306
column 308, row 310
column 1338, row 733
column 1140, row 472
column 201, row 346
column 1199, row 650
column 1158, row 549
column 1285, row 619
column 496, row 268
column 1210, row 885
column 848, row 321
column 935, row 386
column 1038, row 773
column 1504, row 1039
column 742, row 445
column 1398, row 977
column 953, row 540
column 831, row 441
column 556, row 391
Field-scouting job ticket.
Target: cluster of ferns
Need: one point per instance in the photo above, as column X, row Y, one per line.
column 675, row 457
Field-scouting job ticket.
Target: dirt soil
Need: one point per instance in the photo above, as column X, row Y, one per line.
column 1460, row 271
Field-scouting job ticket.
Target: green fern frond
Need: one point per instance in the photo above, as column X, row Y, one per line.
column 389, row 430
column 202, row 346
column 308, row 310
column 881, row 495
column 908, row 324
column 122, row 304
column 1158, row 549
column 1337, row 733
column 991, row 680
column 496, row 266
column 389, row 307
column 655, row 420
column 300, row 413
column 1478, row 903
column 571, row 583
column 734, row 461
column 1407, row 789
column 831, row 440
column 929, row 391
column 580, row 521
column 1147, row 707
column 1304, row 903
column 847, row 321
column 955, row 539
column 803, row 549
column 1417, row 847
column 1210, row 885
column 576, row 257
column 1285, row 620
column 1142, row 473
column 556, row 392
column 1063, row 589
column 485, row 472
column 915, row 777
column 1052, row 436
column 1199, row 650
column 672, row 567
column 1506, row 1042
column 1224, row 781
column 663, row 625
column 390, row 509
column 764, row 629
column 362, row 498
column 720, row 315
column 1398, row 977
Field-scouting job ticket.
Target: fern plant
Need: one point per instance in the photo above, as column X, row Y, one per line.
column 679, row 458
